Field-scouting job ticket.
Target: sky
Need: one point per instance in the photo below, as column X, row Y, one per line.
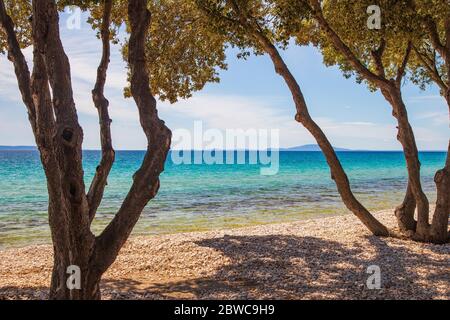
column 250, row 95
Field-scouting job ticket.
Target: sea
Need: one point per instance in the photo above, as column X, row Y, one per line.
column 204, row 196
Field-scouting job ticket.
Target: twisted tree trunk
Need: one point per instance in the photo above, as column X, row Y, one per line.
column 408, row 142
column 98, row 184
column 439, row 224
column 73, row 242
column 302, row 116
column 415, row 197
column 438, row 233
column 146, row 179
column 405, row 212
column 337, row 172
column 59, row 136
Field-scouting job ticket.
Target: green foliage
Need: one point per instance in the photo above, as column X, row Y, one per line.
column 188, row 38
column 403, row 21
column 436, row 9
column 222, row 19
column 20, row 13
column 425, row 55
column 183, row 52
column 348, row 18
column 264, row 15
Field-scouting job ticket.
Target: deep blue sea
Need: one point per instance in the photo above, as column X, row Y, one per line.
column 203, row 197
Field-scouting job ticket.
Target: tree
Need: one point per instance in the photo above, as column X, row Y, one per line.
column 381, row 58
column 432, row 64
column 180, row 41
column 255, row 25
column 48, row 96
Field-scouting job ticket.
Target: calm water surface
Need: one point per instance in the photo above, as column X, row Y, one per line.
column 205, row 197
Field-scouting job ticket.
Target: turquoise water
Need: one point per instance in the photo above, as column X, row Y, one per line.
column 205, row 197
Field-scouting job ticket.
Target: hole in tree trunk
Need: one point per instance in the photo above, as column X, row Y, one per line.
column 67, row 134
column 73, row 190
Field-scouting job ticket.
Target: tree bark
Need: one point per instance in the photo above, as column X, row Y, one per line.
column 337, row 172
column 405, row 212
column 146, row 179
column 54, row 121
column 69, row 214
column 392, row 93
column 99, row 182
column 439, row 224
column 407, row 139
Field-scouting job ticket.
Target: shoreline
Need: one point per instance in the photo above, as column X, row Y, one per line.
column 317, row 258
column 139, row 234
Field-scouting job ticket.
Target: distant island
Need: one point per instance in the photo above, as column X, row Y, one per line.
column 18, row 148
column 305, row 148
column 311, row 147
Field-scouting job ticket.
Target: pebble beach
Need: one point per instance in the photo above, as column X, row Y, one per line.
column 321, row 258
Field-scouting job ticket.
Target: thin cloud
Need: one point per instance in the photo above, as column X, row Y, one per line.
column 220, row 111
column 424, row 98
column 437, row 118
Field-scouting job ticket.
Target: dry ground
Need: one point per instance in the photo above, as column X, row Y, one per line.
column 323, row 258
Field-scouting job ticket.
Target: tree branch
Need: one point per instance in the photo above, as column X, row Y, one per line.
column 45, row 132
column 434, row 37
column 343, row 48
column 146, row 179
column 402, row 68
column 68, row 133
column 99, row 182
column 210, row 13
column 430, row 66
column 447, row 33
column 36, row 96
column 21, row 69
column 377, row 56
column 337, row 172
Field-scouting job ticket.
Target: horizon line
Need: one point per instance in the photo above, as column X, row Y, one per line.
column 286, row 149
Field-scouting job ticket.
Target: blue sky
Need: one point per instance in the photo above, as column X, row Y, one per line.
column 249, row 96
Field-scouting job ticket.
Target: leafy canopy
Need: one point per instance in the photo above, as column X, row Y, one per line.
column 20, row 13
column 225, row 18
column 349, row 20
column 428, row 64
column 183, row 53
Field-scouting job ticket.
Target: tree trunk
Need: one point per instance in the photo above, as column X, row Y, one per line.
column 64, row 287
column 146, row 180
column 407, row 139
column 391, row 90
column 439, row 225
column 80, row 258
column 95, row 194
column 405, row 212
column 337, row 172
column 73, row 241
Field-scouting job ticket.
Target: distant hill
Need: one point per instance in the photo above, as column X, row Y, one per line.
column 17, row 148
column 306, row 147
column 311, row 147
